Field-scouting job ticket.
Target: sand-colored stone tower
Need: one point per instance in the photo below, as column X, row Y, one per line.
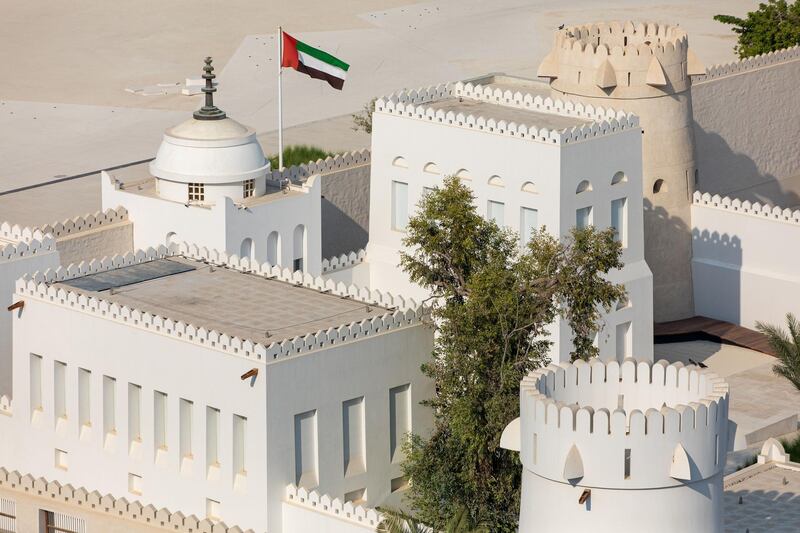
column 646, row 69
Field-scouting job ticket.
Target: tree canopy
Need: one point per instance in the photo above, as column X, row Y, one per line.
column 492, row 303
column 773, row 26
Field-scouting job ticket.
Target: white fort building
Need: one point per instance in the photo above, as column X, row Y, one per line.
column 230, row 347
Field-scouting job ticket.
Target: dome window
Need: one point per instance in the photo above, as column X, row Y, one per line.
column 249, row 188
column 197, row 192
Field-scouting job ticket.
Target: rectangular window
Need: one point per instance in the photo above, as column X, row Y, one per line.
column 8, row 515
column 356, row 497
column 305, row 449
column 619, row 220
column 36, row 383
column 185, row 438
column 212, row 438
column 159, row 420
column 84, row 398
column 528, row 224
column 109, row 405
column 61, row 460
column 134, row 413
column 496, row 211
column 249, row 188
column 53, row 522
column 399, row 420
column 399, row 483
column 627, row 471
column 354, row 436
column 583, row 217
column 213, row 511
column 59, row 390
column 197, row 192
column 239, row 442
column 135, row 484
column 399, row 205
column 623, row 341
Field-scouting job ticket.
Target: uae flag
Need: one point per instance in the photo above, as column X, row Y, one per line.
column 313, row 61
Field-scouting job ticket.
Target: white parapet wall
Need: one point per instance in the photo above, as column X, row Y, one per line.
column 305, row 511
column 599, row 441
column 745, row 261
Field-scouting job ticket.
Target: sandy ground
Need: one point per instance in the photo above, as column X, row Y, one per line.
column 64, row 109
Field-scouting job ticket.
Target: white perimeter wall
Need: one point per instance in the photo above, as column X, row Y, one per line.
column 745, row 263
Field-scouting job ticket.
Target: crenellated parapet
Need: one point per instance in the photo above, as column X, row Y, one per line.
column 43, row 286
column 23, row 242
column 334, row 163
column 86, row 222
column 621, row 59
column 746, row 207
column 339, row 262
column 84, row 500
column 749, row 63
column 624, row 426
column 334, row 507
column 416, row 104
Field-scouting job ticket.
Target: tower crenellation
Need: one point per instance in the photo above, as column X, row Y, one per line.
column 622, row 435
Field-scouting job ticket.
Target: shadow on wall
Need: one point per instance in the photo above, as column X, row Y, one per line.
column 717, row 276
column 340, row 233
column 671, row 277
column 727, row 173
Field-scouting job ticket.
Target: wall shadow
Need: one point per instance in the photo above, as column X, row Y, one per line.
column 717, row 275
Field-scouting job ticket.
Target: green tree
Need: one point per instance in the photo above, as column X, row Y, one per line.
column 363, row 119
column 396, row 521
column 299, row 154
column 491, row 306
column 786, row 346
column 773, row 26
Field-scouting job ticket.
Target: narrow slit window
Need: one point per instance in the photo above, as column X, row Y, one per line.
column 399, row 420
column 159, row 420
column 84, row 397
column 134, row 413
column 619, row 220
column 354, row 444
column 185, row 414
column 60, row 390
column 36, row 383
column 109, row 405
column 583, row 217
column 305, row 449
column 399, row 205
column 535, row 448
column 212, row 438
column 627, row 463
column 716, row 449
column 239, row 441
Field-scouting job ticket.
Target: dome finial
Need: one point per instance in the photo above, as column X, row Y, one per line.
column 209, row 111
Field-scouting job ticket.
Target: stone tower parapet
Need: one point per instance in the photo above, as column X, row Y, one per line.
column 644, row 68
column 601, row 439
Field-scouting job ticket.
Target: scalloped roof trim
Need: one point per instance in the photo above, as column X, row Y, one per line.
column 746, row 207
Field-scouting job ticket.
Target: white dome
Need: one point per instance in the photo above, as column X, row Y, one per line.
column 209, row 151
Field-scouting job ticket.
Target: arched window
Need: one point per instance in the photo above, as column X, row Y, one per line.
column 274, row 248
column 299, row 249
column 247, row 249
column 496, row 181
column 431, row 168
column 619, row 177
column 463, row 174
column 171, row 238
column 400, row 161
column 583, row 186
column 659, row 186
column 528, row 186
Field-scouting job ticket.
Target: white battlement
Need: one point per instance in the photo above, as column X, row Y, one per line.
column 746, row 207
column 667, row 416
column 334, row 507
column 39, row 285
column 413, row 104
column 322, row 166
column 343, row 261
column 625, row 39
column 86, row 222
column 117, row 507
column 749, row 63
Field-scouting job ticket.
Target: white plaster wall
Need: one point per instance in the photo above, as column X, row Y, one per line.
column 301, row 519
column 746, row 129
column 552, row 507
column 155, row 362
column 321, row 381
column 10, row 271
column 555, row 170
column 745, row 266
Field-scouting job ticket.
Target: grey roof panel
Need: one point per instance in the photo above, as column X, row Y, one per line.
column 129, row 275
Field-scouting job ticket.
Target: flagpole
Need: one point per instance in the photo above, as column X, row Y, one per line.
column 280, row 99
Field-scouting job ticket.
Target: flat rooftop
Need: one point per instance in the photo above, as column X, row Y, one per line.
column 237, row 304
column 770, row 501
column 498, row 112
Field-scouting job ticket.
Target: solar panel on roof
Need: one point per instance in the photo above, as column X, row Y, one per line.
column 129, row 275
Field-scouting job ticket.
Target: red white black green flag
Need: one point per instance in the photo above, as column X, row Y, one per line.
column 313, row 61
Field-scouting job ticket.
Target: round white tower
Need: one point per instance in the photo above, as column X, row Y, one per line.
column 645, row 69
column 210, row 156
column 631, row 447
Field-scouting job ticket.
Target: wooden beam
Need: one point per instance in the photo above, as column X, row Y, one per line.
column 253, row 372
column 17, row 305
